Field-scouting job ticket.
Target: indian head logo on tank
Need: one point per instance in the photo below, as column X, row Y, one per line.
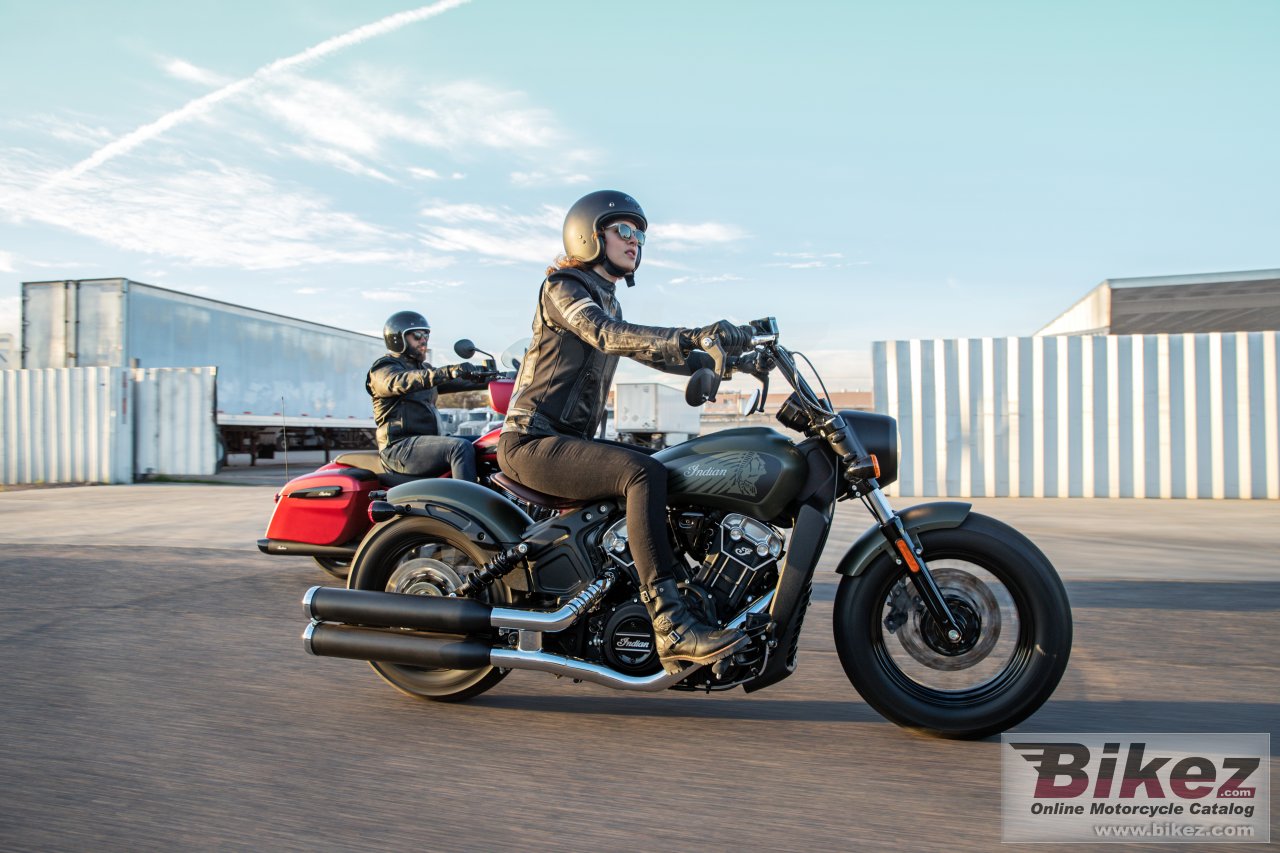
column 729, row 473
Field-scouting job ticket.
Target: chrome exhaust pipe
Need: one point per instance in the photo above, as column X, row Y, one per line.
column 387, row 645
column 585, row 670
column 410, row 649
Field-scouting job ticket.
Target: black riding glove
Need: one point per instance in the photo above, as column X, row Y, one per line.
column 734, row 339
column 464, row 370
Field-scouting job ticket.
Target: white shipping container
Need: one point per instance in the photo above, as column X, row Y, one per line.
column 652, row 407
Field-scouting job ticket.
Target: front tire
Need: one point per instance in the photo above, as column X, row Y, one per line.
column 993, row 578
column 423, row 556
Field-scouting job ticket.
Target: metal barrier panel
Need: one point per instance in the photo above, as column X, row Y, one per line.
column 175, row 431
column 1172, row 416
column 65, row 425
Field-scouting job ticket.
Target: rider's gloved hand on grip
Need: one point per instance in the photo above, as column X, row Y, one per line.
column 734, row 339
column 464, row 370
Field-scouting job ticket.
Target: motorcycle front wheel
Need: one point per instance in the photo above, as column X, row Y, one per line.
column 423, row 556
column 1017, row 638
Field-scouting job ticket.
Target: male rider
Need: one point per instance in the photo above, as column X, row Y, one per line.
column 404, row 389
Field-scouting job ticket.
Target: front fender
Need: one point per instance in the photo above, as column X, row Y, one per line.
column 917, row 519
column 482, row 514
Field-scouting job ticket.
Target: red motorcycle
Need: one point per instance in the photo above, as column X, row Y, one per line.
column 325, row 514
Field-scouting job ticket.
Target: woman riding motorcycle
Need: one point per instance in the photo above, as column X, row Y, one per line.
column 559, row 403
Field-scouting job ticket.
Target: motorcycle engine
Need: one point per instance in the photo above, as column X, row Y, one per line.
column 738, row 557
column 741, row 557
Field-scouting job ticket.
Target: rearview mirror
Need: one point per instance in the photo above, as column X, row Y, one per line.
column 464, row 348
column 703, row 385
column 752, row 403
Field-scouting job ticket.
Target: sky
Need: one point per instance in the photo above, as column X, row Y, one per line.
column 861, row 170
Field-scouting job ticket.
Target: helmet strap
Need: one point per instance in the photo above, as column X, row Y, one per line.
column 615, row 270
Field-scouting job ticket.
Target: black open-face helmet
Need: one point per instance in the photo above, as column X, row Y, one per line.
column 585, row 223
column 393, row 331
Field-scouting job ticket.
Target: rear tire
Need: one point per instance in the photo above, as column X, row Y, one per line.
column 424, row 556
column 994, row 577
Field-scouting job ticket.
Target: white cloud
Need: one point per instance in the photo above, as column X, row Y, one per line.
column 430, row 284
column 408, row 291
column 813, row 261
column 6, row 261
column 495, row 246
column 68, row 130
column 658, row 263
column 498, row 233
column 183, row 70
column 544, row 179
column 207, row 215
column 309, row 291
column 386, row 295
column 466, row 113
column 202, row 105
column 705, row 279
column 679, row 237
column 454, row 213
column 424, row 174
column 340, row 160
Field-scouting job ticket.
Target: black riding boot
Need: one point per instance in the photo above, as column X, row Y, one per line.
column 680, row 635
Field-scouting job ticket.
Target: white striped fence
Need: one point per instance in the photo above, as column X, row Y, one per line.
column 1161, row 416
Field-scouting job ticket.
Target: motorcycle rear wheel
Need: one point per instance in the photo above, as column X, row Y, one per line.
column 991, row 576
column 423, row 556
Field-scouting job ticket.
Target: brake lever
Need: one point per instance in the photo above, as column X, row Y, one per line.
column 712, row 347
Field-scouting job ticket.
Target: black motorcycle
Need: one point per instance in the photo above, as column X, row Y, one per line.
column 946, row 620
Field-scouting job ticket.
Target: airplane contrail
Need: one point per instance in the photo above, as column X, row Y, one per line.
column 202, row 104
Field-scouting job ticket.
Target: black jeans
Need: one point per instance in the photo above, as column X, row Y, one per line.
column 586, row 470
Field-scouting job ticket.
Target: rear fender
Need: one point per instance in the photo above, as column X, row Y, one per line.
column 481, row 514
column 916, row 519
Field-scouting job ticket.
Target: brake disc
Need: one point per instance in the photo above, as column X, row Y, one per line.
column 424, row 576
column 977, row 598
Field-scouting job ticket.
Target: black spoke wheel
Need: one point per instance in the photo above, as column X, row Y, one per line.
column 340, row 569
column 422, row 556
column 1016, row 640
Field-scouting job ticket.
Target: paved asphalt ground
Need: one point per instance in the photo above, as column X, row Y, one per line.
column 154, row 695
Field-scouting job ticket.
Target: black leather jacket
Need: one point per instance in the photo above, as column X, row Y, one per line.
column 578, row 335
column 404, row 396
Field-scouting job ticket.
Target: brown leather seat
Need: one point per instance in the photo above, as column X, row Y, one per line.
column 534, row 496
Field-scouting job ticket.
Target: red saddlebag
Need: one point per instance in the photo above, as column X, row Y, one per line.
column 324, row 507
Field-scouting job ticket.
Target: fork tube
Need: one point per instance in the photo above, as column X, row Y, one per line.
column 908, row 552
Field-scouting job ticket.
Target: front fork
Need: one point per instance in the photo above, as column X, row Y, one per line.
column 909, row 552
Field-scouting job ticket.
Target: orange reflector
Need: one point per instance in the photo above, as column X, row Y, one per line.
column 905, row 550
column 875, row 465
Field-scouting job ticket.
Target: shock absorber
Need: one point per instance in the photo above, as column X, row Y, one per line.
column 499, row 566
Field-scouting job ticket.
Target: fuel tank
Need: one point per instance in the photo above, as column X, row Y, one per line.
column 752, row 470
